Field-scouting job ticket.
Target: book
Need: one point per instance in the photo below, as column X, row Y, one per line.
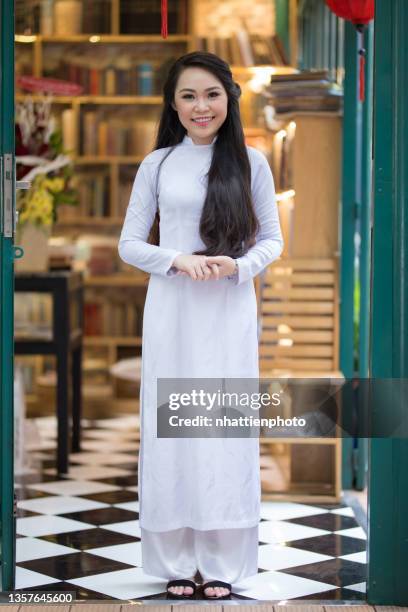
column 305, row 75
column 142, row 136
column 309, row 91
column 103, row 127
column 69, row 130
column 244, row 44
column 89, row 133
column 261, row 50
column 223, row 49
column 235, row 51
column 280, row 50
column 93, row 192
column 211, row 44
column 110, row 81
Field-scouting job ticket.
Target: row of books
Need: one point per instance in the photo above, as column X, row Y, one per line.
column 141, row 17
column 93, row 193
column 245, row 49
column 308, row 91
column 33, row 315
column 112, row 318
column 101, row 317
column 127, row 179
column 108, row 75
column 116, row 135
column 144, row 16
column 93, row 198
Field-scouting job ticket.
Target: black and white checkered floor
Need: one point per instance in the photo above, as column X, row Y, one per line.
column 82, row 533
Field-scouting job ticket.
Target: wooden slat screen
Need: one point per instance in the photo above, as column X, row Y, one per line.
column 299, row 316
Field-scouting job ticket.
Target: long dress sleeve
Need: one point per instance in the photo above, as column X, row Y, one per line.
column 269, row 240
column 133, row 248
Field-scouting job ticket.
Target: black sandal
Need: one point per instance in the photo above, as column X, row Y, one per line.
column 217, row 583
column 184, row 583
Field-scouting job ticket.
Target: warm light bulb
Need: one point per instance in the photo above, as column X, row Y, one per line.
column 25, row 38
column 281, row 134
column 285, row 195
column 285, row 342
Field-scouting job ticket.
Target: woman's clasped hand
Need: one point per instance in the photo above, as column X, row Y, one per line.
column 203, row 267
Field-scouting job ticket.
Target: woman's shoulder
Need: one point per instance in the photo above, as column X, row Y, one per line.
column 256, row 157
column 155, row 157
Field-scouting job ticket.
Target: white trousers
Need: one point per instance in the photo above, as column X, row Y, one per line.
column 220, row 554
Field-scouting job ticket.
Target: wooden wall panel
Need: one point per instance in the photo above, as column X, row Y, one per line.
column 317, row 173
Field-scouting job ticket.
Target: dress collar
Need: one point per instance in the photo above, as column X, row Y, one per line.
column 188, row 141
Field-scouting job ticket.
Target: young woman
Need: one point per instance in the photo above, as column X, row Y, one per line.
column 219, row 227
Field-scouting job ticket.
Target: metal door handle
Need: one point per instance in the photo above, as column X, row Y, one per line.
column 23, row 184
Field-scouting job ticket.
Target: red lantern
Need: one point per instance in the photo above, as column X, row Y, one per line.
column 359, row 12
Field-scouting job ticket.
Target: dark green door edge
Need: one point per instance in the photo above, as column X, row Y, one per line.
column 7, row 199
column 388, row 460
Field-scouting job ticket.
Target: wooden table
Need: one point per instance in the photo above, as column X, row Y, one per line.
column 66, row 289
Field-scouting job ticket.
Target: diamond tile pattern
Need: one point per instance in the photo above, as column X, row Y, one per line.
column 82, row 533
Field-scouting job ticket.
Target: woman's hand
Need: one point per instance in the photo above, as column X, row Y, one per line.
column 226, row 265
column 196, row 267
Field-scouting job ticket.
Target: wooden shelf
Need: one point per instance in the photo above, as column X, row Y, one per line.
column 256, row 69
column 149, row 100
column 112, row 341
column 116, row 280
column 104, row 38
column 302, row 498
column 108, row 159
column 325, row 441
column 101, row 221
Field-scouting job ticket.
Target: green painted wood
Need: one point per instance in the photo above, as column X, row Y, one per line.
column 361, row 455
column 348, row 216
column 388, row 357
column 282, row 23
column 319, row 38
column 365, row 217
column 7, row 534
column 349, row 199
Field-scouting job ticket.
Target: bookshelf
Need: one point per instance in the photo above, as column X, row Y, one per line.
column 113, row 85
column 118, row 43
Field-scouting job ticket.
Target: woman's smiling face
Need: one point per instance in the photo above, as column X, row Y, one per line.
column 201, row 103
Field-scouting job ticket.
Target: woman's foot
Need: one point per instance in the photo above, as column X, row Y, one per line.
column 182, row 590
column 214, row 590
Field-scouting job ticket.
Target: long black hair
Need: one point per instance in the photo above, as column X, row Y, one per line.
column 228, row 222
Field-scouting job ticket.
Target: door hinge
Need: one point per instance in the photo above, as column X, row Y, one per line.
column 15, row 500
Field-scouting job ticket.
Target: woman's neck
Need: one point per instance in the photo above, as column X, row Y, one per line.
column 202, row 141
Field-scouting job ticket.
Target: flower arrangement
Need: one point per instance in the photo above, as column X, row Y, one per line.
column 40, row 158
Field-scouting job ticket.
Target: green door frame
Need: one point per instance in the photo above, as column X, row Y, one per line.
column 388, row 465
column 7, row 205
column 282, row 23
column 350, row 197
column 361, row 452
column 356, row 209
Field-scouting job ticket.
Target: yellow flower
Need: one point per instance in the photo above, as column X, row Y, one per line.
column 37, row 206
column 55, row 185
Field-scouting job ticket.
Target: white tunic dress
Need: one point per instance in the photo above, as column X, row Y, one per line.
column 195, row 329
